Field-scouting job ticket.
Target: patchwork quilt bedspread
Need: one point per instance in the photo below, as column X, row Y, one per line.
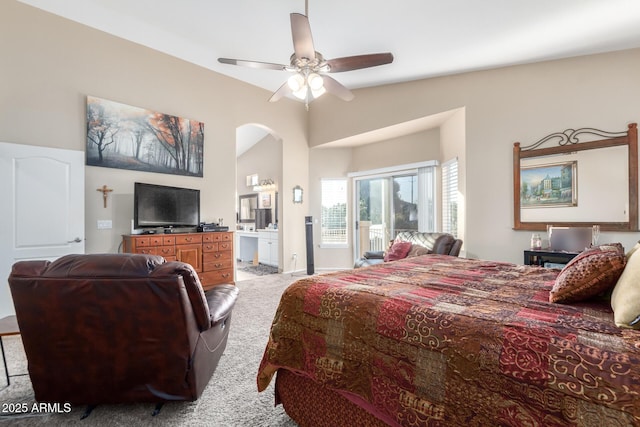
column 440, row 340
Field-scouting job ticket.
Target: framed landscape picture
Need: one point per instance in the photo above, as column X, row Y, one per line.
column 126, row 137
column 549, row 185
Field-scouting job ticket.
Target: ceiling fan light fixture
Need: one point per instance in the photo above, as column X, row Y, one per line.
column 307, row 65
column 317, row 93
column 296, row 83
column 315, row 82
column 302, row 93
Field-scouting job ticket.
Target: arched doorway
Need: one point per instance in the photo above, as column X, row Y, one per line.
column 258, row 205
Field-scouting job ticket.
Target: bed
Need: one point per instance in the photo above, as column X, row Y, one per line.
column 437, row 340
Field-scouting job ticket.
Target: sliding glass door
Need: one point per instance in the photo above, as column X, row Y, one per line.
column 389, row 204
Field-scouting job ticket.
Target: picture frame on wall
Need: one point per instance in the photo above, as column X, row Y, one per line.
column 549, row 185
column 126, row 137
column 265, row 200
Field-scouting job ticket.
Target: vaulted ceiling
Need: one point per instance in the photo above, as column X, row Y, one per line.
column 428, row 38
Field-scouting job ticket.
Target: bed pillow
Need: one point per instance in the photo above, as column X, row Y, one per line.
column 590, row 273
column 417, row 250
column 397, row 251
column 625, row 298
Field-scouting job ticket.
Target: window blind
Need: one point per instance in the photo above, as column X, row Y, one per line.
column 334, row 212
column 450, row 197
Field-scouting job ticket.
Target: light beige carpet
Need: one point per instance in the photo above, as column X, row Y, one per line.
column 230, row 399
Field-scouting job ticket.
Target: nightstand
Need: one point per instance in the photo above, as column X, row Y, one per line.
column 548, row 258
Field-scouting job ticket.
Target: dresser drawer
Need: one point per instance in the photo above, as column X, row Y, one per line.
column 210, row 247
column 216, row 277
column 225, row 246
column 188, row 239
column 218, row 265
column 168, row 240
column 216, row 256
column 147, row 251
column 141, row 242
column 166, row 251
column 155, row 240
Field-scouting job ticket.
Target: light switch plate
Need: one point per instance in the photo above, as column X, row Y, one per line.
column 104, row 224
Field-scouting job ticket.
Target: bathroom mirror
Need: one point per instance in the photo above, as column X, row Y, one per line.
column 247, row 205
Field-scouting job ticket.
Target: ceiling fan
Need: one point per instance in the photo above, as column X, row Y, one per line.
column 310, row 80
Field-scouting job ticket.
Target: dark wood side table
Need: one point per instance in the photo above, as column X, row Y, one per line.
column 546, row 256
column 8, row 326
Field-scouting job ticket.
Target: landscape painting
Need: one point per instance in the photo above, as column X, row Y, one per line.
column 551, row 185
column 126, row 137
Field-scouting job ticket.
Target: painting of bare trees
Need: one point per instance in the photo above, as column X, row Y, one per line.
column 126, row 137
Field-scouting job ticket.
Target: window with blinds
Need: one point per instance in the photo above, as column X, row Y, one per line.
column 450, row 197
column 334, row 212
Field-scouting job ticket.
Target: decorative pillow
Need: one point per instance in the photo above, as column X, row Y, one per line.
column 417, row 250
column 587, row 275
column 625, row 298
column 397, row 251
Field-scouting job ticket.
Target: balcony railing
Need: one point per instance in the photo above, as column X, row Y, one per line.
column 374, row 237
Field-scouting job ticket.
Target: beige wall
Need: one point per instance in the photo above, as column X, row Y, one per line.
column 327, row 163
column 502, row 106
column 338, row 162
column 50, row 65
column 416, row 147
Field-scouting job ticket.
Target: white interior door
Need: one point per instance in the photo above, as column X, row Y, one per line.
column 42, row 209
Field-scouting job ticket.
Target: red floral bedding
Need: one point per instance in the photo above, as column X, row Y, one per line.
column 440, row 340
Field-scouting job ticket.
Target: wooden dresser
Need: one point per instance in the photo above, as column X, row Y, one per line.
column 210, row 254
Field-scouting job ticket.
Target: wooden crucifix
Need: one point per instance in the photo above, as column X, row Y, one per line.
column 105, row 192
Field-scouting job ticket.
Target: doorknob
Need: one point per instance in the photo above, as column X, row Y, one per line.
column 76, row 240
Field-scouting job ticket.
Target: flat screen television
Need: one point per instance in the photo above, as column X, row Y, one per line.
column 157, row 206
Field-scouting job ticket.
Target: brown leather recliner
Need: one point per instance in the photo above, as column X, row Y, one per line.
column 116, row 328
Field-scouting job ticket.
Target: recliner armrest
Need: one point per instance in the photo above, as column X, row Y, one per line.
column 221, row 300
column 373, row 255
column 193, row 287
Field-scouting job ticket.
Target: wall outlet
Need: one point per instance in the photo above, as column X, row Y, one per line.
column 105, row 224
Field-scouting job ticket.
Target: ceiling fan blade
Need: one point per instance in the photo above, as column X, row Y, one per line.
column 253, row 64
column 282, row 91
column 334, row 87
column 302, row 39
column 349, row 63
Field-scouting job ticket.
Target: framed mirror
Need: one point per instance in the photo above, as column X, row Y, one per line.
column 247, row 205
column 577, row 184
